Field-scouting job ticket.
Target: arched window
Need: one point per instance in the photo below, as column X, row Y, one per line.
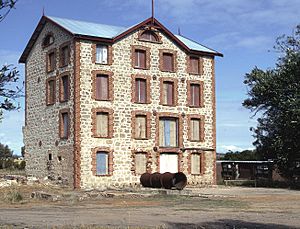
column 48, row 40
column 149, row 36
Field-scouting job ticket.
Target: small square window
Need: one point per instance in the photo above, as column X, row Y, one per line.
column 64, row 125
column 101, row 54
column 102, row 91
column 51, row 61
column 102, row 128
column 140, row 90
column 64, row 56
column 64, row 88
column 140, row 126
column 194, row 65
column 168, row 62
column 102, row 163
column 195, row 129
column 50, row 91
column 140, row 59
column 195, row 95
column 168, row 93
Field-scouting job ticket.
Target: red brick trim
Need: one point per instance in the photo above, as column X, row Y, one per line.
column 133, row 90
column 63, row 45
column 63, row 111
column 202, row 163
column 180, row 131
column 148, row 124
column 61, row 95
column 189, row 101
column 148, row 165
column 202, row 130
column 188, row 65
column 214, row 121
column 179, row 154
column 139, row 47
column 110, row 84
column 48, row 69
column 110, row 58
column 175, row 95
column 110, row 161
column 48, row 102
column 156, row 34
column 169, row 51
column 110, row 113
column 77, row 116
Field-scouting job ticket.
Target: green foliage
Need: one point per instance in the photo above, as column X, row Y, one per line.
column 274, row 94
column 5, row 7
column 5, row 151
column 246, row 155
column 14, row 196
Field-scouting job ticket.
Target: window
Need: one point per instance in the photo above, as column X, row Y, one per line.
column 168, row 132
column 194, row 65
column 140, row 90
column 101, row 54
column 48, row 40
column 50, row 91
column 168, row 93
column 141, row 126
column 102, row 163
column 64, row 55
column 102, row 124
column 195, row 129
column 149, row 36
column 140, row 163
column 196, row 164
column 50, row 156
column 64, row 124
column 51, row 62
column 102, row 87
column 168, row 62
column 64, row 88
column 168, row 162
column 195, row 95
column 140, row 59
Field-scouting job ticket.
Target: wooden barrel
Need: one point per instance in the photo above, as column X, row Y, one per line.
column 145, row 179
column 180, row 180
column 155, row 180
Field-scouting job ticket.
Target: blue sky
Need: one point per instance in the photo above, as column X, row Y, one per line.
column 243, row 30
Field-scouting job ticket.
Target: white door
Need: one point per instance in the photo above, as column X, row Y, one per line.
column 168, row 162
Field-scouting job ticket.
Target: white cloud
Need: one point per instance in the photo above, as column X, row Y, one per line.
column 226, row 148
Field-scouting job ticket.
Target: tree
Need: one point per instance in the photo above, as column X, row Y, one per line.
column 5, row 151
column 8, row 74
column 245, row 155
column 274, row 94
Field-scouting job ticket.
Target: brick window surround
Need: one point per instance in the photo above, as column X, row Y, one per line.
column 201, row 86
column 148, row 123
column 110, row 84
column 50, row 66
column 109, row 53
column 177, row 151
column 50, row 100
column 110, row 113
column 62, row 89
column 160, row 115
column 133, row 87
column 147, row 56
column 201, row 118
column 152, row 32
column 161, row 59
column 61, row 124
column 189, row 67
column 110, row 161
column 64, row 61
column 202, row 163
column 175, row 90
column 148, row 161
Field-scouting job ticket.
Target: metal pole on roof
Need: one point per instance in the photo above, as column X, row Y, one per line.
column 152, row 11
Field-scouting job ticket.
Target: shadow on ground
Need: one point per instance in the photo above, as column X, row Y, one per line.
column 228, row 224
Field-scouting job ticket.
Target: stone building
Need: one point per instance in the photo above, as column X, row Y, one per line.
column 105, row 104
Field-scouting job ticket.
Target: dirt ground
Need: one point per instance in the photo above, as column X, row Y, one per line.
column 218, row 207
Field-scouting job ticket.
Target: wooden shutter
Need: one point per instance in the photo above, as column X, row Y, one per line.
column 102, row 163
column 165, row 93
column 140, row 58
column 168, row 93
column 194, row 65
column 161, row 133
column 102, row 87
column 102, row 124
column 140, row 126
column 195, row 129
column 168, row 62
column 173, row 133
column 65, row 88
column 140, row 163
column 195, row 94
column 196, row 164
column 51, row 61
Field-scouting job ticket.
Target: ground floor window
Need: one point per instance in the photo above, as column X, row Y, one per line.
column 101, row 163
column 168, row 162
column 196, row 164
column 140, row 163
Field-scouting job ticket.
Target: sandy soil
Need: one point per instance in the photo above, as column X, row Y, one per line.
column 220, row 207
